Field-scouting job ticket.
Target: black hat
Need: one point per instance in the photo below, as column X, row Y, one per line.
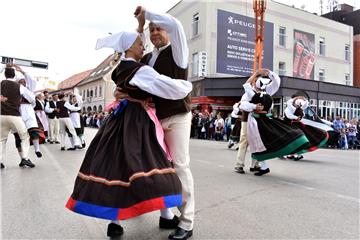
column 301, row 93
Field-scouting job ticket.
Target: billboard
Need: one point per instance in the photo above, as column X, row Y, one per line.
column 304, row 55
column 236, row 44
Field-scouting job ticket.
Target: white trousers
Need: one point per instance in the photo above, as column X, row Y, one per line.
column 66, row 123
column 243, row 145
column 15, row 124
column 54, row 128
column 177, row 137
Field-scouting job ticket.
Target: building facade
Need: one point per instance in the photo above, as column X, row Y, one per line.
column 97, row 88
column 304, row 48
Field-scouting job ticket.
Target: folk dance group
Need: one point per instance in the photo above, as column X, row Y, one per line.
column 36, row 119
column 138, row 161
column 269, row 137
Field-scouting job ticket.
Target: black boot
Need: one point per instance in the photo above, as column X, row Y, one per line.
column 262, row 172
column 26, row 162
column 169, row 223
column 181, row 234
column 114, row 230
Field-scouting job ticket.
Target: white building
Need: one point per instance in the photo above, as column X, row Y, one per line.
column 297, row 44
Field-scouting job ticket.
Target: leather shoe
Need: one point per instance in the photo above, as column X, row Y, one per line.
column 169, row 223
column 255, row 169
column 2, row 166
column 262, row 172
column 298, row 158
column 26, row 162
column 180, row 234
column 114, row 230
column 38, row 154
column 239, row 170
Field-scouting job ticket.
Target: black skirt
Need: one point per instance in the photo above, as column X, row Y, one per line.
column 278, row 137
column 316, row 136
column 125, row 172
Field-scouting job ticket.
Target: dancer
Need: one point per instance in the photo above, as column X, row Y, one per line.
column 127, row 170
column 268, row 137
column 294, row 113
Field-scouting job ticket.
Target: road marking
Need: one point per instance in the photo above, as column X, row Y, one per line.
column 319, row 190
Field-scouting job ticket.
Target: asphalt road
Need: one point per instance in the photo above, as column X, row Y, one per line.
column 315, row 198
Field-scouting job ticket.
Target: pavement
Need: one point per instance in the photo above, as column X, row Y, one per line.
column 315, row 198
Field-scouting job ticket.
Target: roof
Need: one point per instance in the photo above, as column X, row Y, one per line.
column 74, row 79
column 101, row 70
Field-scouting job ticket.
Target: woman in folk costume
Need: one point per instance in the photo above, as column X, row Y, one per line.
column 293, row 116
column 267, row 137
column 76, row 119
column 40, row 112
column 29, row 117
column 127, row 170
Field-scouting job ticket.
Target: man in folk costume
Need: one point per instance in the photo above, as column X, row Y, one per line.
column 243, row 143
column 76, row 101
column 170, row 57
column 53, row 118
column 65, row 121
column 268, row 137
column 28, row 115
column 114, row 174
column 11, row 120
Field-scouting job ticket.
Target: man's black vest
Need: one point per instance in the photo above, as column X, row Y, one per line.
column 54, row 114
column 64, row 112
column 10, row 90
column 166, row 65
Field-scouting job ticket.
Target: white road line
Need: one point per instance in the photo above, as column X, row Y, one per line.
column 332, row 193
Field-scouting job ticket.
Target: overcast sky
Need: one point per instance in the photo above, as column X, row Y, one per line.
column 63, row 33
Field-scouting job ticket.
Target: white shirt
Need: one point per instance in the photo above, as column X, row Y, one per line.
column 177, row 37
column 147, row 79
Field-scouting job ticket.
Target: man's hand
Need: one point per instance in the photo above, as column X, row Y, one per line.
column 140, row 16
column 259, row 107
column 2, row 98
column 18, row 68
column 264, row 72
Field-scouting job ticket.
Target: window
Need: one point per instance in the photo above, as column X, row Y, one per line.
column 347, row 52
column 347, row 79
column 83, row 95
column 195, row 25
column 100, row 91
column 195, row 64
column 282, row 68
column 96, row 91
column 322, row 46
column 321, row 75
column 282, row 36
column 88, row 93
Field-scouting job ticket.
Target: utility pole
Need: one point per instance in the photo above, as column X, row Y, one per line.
column 259, row 10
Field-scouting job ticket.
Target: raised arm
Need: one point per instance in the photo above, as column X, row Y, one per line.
column 147, row 79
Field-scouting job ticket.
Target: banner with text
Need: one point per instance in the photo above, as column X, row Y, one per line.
column 236, row 44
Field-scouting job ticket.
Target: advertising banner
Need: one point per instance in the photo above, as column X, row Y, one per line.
column 304, row 55
column 236, row 43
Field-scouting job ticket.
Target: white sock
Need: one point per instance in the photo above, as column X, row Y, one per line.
column 166, row 213
column 263, row 165
column 36, row 145
column 253, row 163
column 72, row 142
column 82, row 139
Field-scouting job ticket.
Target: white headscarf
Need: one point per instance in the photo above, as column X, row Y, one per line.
column 120, row 42
column 261, row 82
